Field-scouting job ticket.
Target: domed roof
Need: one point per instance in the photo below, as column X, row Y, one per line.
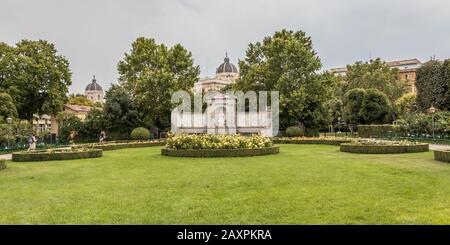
column 94, row 86
column 226, row 66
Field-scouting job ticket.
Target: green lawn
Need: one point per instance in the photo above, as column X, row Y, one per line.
column 304, row 184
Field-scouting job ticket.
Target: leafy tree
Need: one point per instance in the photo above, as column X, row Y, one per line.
column 151, row 72
column 378, row 75
column 36, row 77
column 7, row 107
column 78, row 99
column 406, row 105
column 286, row 62
column 376, row 108
column 335, row 108
column 119, row 110
column 354, row 100
column 433, row 85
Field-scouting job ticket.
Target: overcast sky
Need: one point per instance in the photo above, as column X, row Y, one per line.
column 94, row 34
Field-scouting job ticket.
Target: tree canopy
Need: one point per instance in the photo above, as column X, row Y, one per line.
column 79, row 99
column 36, row 77
column 286, row 62
column 433, row 85
column 151, row 72
column 375, row 74
column 7, row 107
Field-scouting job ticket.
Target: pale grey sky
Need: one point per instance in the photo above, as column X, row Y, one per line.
column 94, row 34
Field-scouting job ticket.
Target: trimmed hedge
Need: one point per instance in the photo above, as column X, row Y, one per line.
column 2, row 164
column 294, row 131
column 443, row 156
column 310, row 141
column 220, row 152
column 369, row 131
column 383, row 149
column 50, row 156
column 118, row 146
column 140, row 134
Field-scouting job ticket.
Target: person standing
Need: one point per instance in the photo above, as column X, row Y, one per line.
column 32, row 142
column 102, row 136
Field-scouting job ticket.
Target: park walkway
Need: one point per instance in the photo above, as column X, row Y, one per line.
column 432, row 147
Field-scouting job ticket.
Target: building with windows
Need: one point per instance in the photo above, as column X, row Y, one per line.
column 221, row 115
column 407, row 69
column 94, row 91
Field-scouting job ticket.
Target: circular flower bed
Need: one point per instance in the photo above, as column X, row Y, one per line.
column 443, row 156
column 218, row 146
column 57, row 154
column 383, row 147
column 312, row 140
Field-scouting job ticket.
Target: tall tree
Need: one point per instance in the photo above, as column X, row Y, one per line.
column 354, row 100
column 433, row 85
column 378, row 75
column 7, row 107
column 36, row 77
column 376, row 108
column 286, row 62
column 120, row 111
column 79, row 99
column 151, row 72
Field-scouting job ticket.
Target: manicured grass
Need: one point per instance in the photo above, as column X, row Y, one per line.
column 304, row 184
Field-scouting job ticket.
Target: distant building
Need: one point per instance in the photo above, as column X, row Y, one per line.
column 221, row 115
column 226, row 74
column 94, row 91
column 79, row 111
column 408, row 70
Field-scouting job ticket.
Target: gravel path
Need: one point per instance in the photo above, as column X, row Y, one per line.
column 6, row 156
column 439, row 147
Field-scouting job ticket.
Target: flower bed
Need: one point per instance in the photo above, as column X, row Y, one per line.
column 2, row 164
column 315, row 140
column 207, row 141
column 443, row 156
column 57, row 154
column 220, row 152
column 383, row 147
column 218, row 146
column 122, row 145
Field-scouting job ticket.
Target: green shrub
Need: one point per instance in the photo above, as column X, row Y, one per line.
column 383, row 149
column 58, row 154
column 294, row 131
column 2, row 164
column 220, row 152
column 140, row 134
column 443, row 156
column 312, row 133
column 373, row 131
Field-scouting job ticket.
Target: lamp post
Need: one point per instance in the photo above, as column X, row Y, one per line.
column 432, row 111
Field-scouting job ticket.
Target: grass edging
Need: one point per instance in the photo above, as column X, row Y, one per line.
column 310, row 141
column 383, row 149
column 220, row 152
column 50, row 156
column 443, row 156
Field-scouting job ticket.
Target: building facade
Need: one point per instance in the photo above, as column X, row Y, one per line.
column 407, row 70
column 94, row 91
column 221, row 115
